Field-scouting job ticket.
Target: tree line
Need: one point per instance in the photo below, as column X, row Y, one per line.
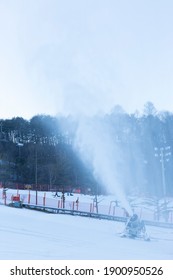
column 40, row 152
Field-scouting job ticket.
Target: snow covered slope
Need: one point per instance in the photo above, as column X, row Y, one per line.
column 27, row 234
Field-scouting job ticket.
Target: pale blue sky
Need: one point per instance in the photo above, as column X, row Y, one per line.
column 84, row 56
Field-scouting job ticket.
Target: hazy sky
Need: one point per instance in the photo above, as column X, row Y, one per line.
column 84, row 55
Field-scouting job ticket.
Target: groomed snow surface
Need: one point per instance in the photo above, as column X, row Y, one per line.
column 29, row 235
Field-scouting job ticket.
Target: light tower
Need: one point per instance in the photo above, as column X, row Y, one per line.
column 163, row 153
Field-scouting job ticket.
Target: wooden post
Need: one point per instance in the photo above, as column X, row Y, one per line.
column 110, row 208
column 77, row 205
column 114, row 211
column 44, row 199
column 29, row 197
column 5, row 199
column 59, row 203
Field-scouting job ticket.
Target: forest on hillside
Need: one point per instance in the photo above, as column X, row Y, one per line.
column 40, row 152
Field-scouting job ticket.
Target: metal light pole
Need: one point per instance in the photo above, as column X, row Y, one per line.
column 96, row 198
column 19, row 145
column 36, row 177
column 163, row 153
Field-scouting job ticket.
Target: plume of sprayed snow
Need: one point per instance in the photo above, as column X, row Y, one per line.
column 97, row 148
